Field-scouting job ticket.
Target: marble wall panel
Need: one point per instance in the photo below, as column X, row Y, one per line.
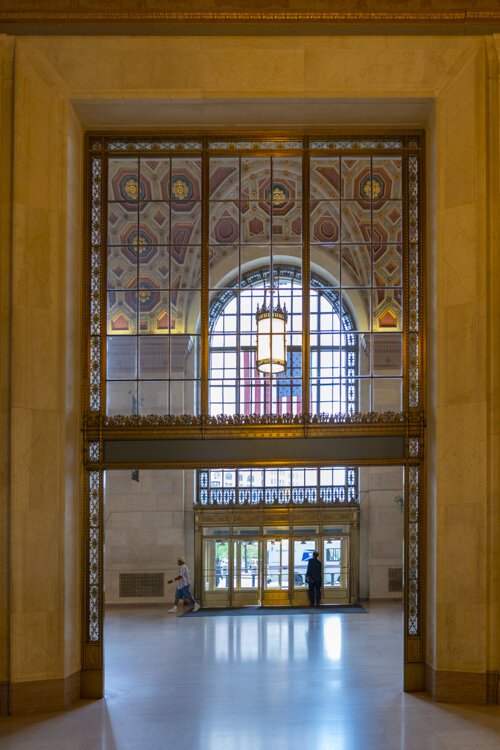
column 467, row 654
column 138, row 555
column 45, row 438
column 73, row 366
column 315, row 66
column 494, row 346
column 381, row 530
column 145, row 528
column 6, row 86
column 458, row 486
column 37, row 642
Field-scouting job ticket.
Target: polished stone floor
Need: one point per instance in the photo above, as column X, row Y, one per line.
column 318, row 681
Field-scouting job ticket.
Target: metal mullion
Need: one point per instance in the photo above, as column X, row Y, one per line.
column 238, row 303
column 87, row 312
column 341, row 281
column 271, row 268
column 236, row 486
column 306, row 281
column 169, row 337
column 315, row 402
column 420, row 323
column 406, row 565
column 421, row 298
column 205, row 217
column 371, row 290
column 406, row 281
column 103, row 266
column 138, row 268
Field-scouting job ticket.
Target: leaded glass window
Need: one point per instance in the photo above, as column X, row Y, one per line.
column 189, row 237
column 153, row 284
column 287, row 485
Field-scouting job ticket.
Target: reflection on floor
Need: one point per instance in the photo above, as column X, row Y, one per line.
column 325, row 682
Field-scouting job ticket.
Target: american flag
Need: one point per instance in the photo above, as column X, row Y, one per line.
column 257, row 391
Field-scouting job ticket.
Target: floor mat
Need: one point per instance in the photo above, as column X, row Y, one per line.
column 264, row 611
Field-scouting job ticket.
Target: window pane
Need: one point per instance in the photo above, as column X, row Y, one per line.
column 255, row 230
column 224, row 178
column 123, row 179
column 325, row 177
column 121, row 357
column 154, row 179
column 153, row 397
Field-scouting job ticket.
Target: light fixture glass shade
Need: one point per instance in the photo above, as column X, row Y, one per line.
column 271, row 339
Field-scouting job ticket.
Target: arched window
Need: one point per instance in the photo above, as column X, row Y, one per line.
column 237, row 387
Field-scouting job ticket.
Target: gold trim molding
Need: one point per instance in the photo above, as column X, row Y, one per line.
column 261, row 516
column 239, row 420
column 451, row 12
column 411, row 425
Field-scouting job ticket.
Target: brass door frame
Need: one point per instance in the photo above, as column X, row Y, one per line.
column 281, row 597
column 299, row 596
column 346, row 517
column 213, row 598
column 250, row 596
column 351, row 558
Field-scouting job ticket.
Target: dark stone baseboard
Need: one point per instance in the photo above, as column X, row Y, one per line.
column 4, row 698
column 462, row 687
column 41, row 696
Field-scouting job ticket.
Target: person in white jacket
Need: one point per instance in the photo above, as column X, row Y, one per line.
column 183, row 590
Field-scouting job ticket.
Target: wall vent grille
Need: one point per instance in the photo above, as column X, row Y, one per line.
column 395, row 580
column 141, row 584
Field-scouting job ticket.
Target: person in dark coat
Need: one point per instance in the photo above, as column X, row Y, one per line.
column 314, row 577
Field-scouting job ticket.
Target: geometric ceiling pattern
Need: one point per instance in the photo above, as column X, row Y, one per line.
column 355, row 203
column 255, row 202
column 255, row 210
column 154, row 240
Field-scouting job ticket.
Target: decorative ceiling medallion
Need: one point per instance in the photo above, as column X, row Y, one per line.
column 138, row 240
column 181, row 189
column 372, row 188
column 130, row 188
column 278, row 194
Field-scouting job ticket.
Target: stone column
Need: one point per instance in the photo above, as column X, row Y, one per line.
column 6, row 111
column 46, row 366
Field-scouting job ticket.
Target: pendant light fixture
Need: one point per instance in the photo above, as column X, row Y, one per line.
column 271, row 337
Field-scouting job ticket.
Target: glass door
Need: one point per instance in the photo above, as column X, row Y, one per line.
column 275, row 572
column 336, row 570
column 302, row 552
column 246, row 572
column 216, row 573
